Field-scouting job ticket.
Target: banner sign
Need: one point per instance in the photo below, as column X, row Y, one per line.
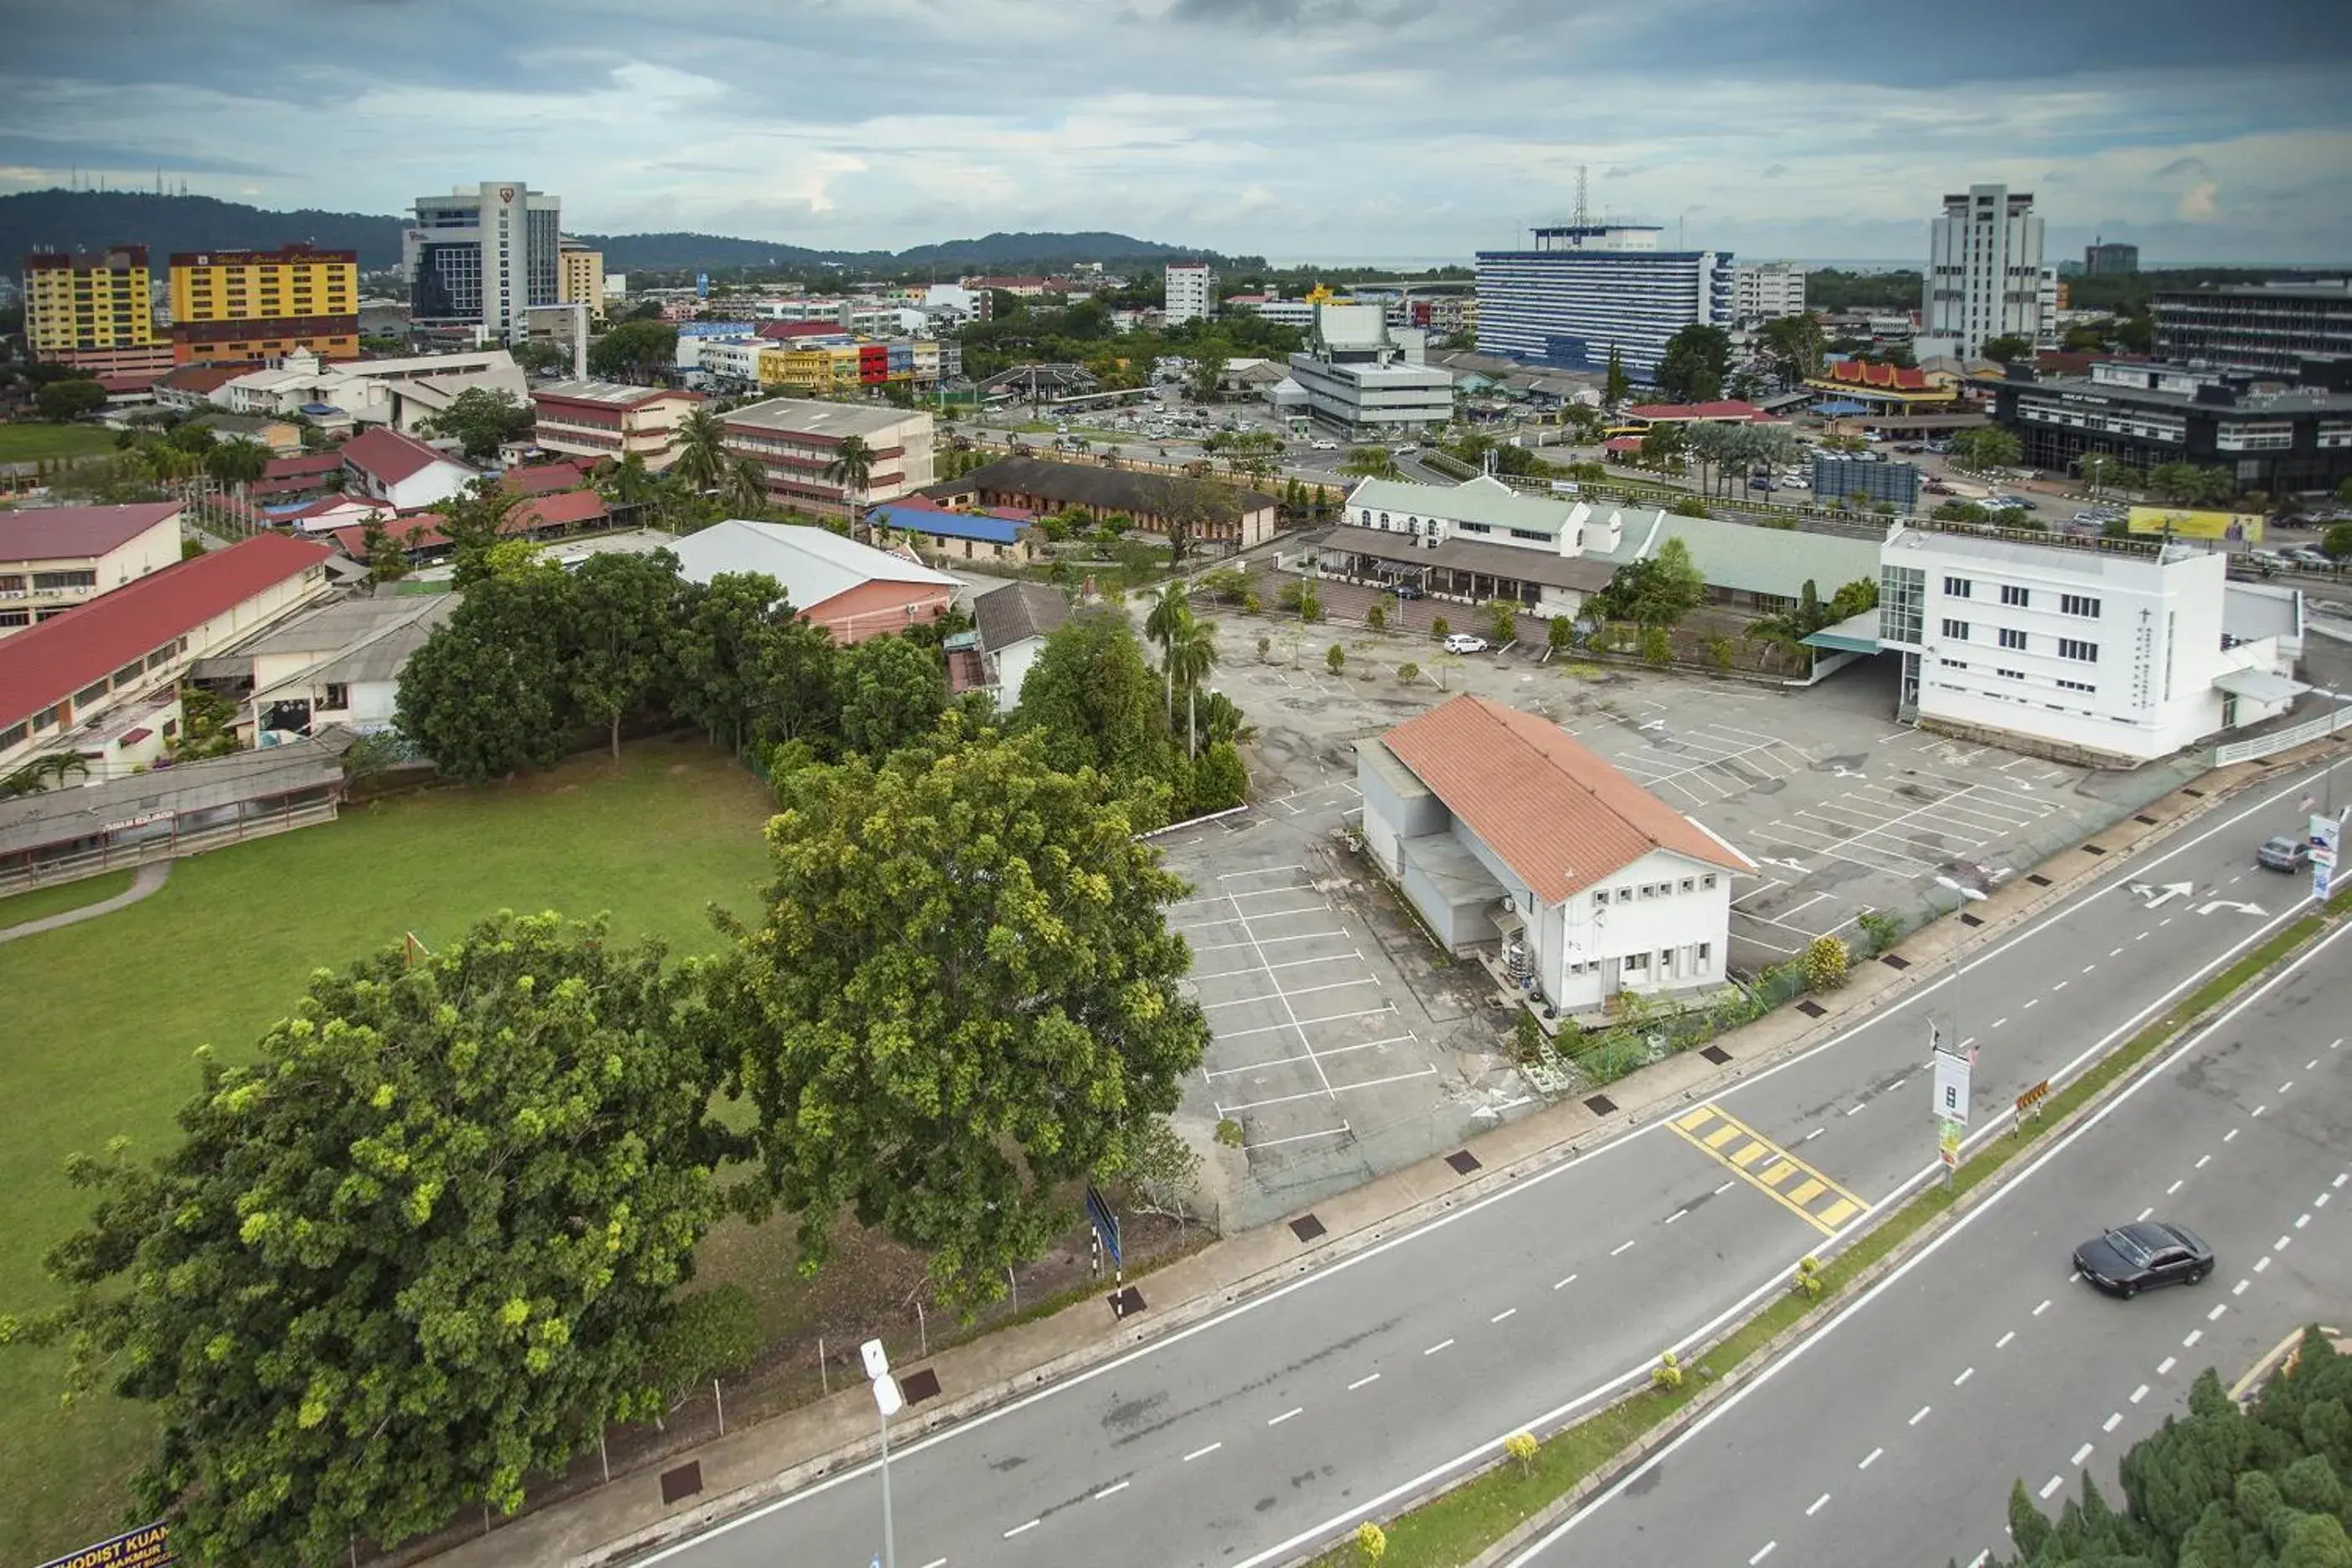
column 2184, row 523
column 1951, row 1085
column 147, row 1547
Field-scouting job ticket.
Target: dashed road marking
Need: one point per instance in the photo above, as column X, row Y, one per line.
column 2112, row 1422
column 1362, row 1380
column 2081, row 1454
column 1202, row 1453
column 2043, row 1308
column 2175, row 1187
column 2052, row 1485
column 1870, row 1459
column 1019, row 1527
column 2139, row 1393
column 2240, row 1288
column 1563, row 1284
column 1620, row 1247
column 1966, row 1374
column 1438, row 1346
column 1762, row 1552
column 1919, row 1415
column 1108, row 1490
column 1287, row 1415
column 2166, row 1365
column 2191, row 1343
column 2002, row 1342
column 1819, row 1503
column 1501, row 1315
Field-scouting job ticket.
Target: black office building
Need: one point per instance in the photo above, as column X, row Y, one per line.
column 2297, row 331
column 2273, row 439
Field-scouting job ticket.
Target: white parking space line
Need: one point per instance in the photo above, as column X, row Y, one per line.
column 1340, row 934
column 1213, row 1074
column 1223, row 1111
column 1300, row 1023
column 1302, row 991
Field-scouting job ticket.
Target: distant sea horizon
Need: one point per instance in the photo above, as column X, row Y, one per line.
column 1843, row 263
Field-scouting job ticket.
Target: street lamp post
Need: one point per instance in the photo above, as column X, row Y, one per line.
column 887, row 1401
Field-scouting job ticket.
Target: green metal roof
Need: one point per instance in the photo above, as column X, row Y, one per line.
column 1855, row 634
column 1779, row 561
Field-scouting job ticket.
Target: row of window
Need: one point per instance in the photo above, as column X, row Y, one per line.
column 2019, row 675
column 2010, row 637
column 2019, row 598
column 1626, row 894
column 1696, row 958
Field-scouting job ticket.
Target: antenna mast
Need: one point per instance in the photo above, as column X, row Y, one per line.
column 1583, row 214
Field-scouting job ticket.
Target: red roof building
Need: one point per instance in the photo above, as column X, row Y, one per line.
column 386, row 466
column 63, row 672
column 1723, row 411
column 53, row 558
column 543, row 479
column 557, row 513
column 785, row 331
column 306, row 473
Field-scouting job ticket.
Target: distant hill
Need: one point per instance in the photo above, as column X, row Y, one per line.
column 91, row 220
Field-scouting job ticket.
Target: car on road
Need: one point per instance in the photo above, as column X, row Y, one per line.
column 2131, row 1258
column 1909, row 449
column 2302, row 556
column 1937, row 487
column 1407, row 450
column 1759, row 482
column 1465, row 642
column 2282, row 854
column 1327, row 446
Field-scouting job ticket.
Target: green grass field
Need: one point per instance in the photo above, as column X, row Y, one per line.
column 28, row 443
column 36, row 903
column 101, row 1018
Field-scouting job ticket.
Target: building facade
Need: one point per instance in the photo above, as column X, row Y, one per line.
column 2103, row 258
column 1192, row 292
column 264, row 304
column 1360, row 380
column 2107, row 652
column 480, row 256
column 796, row 441
column 853, row 591
column 53, row 558
column 90, row 310
column 1984, row 269
column 1475, row 542
column 1838, row 475
column 1588, row 289
column 1212, row 514
column 2273, row 328
column 580, row 277
column 2146, row 413
column 1766, row 290
column 611, row 420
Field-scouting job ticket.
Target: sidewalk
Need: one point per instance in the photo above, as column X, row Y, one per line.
column 150, row 879
column 772, row 1459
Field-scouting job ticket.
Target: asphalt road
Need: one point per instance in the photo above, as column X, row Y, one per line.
column 1279, row 1423
column 1895, row 1435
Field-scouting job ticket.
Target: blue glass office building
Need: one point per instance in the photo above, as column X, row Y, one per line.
column 1585, row 290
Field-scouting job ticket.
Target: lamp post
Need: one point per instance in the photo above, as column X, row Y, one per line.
column 887, row 1401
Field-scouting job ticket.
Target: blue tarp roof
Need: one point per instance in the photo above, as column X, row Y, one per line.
column 1841, row 406
column 949, row 524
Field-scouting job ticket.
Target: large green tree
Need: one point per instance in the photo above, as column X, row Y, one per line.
column 1693, row 362
column 1793, row 346
column 473, row 521
column 621, row 610
column 963, row 997
column 415, row 1254
column 1986, row 446
column 489, row 692
column 633, row 350
column 482, row 419
column 238, row 462
column 61, row 402
column 892, row 693
column 1369, row 463
column 1655, row 592
column 751, row 671
column 1087, row 699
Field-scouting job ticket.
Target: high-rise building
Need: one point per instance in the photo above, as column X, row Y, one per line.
column 1587, row 289
column 2298, row 331
column 480, row 257
column 1984, row 269
column 264, row 304
column 582, row 277
column 2101, row 260
column 91, row 310
column 1192, row 292
column 1766, row 290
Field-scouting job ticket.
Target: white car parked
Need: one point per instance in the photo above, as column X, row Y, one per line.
column 1465, row 642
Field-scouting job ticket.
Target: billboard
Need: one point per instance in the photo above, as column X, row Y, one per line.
column 2183, row 524
column 150, row 1547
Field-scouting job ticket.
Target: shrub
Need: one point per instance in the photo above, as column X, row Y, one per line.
column 1441, row 628
column 1229, row 1133
column 1335, row 659
column 1371, row 1541
column 1502, row 620
column 1719, row 650
column 1527, row 1037
column 1824, row 962
column 1808, row 1279
column 1618, row 1056
column 1521, row 1445
column 1687, row 506
column 1657, row 646
column 1559, row 633
column 1265, row 647
column 1408, row 672
column 1377, row 618
column 1667, row 1375
column 1250, row 602
column 1879, row 930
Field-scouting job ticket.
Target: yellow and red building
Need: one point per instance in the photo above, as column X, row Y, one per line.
column 93, row 311
column 264, row 304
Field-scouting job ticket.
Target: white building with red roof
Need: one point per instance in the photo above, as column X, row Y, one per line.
column 53, row 558
column 401, row 470
column 1506, row 834
column 102, row 680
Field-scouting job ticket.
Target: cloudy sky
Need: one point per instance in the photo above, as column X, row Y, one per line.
column 1329, row 130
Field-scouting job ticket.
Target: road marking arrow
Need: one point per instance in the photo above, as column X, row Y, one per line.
column 2157, row 897
column 2254, row 909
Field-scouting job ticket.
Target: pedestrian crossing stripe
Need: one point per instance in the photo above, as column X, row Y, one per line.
column 1766, row 1167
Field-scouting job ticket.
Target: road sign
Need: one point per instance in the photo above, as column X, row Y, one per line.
column 2031, row 1101
column 1951, row 1087
column 2321, row 876
column 1106, row 1225
column 149, row 1546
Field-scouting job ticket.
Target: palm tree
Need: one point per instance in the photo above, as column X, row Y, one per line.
column 747, row 486
column 1369, row 463
column 853, row 469
column 1172, row 615
column 1189, row 657
column 629, row 481
column 701, row 460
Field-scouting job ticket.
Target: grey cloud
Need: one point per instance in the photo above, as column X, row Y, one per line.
column 1775, row 171
column 2196, row 168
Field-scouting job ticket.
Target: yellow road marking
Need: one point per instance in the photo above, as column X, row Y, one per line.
column 1749, row 1155
column 1838, row 1212
column 1808, row 1190
column 1810, row 1187
column 1692, row 1120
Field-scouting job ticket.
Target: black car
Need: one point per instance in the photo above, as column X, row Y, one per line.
column 2131, row 1258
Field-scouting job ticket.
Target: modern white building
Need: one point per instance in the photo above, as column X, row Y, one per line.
column 482, row 255
column 2106, row 652
column 1766, row 290
column 1984, row 269
column 2047, row 334
column 1587, row 289
column 1360, row 379
column 1192, row 292
column 401, row 393
column 1505, row 833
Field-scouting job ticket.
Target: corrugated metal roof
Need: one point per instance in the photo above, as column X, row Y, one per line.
column 1483, row 500
column 1747, row 559
column 1555, row 812
column 813, row 564
column 75, row 532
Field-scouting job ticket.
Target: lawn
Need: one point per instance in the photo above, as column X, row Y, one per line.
column 102, row 1017
column 27, row 443
column 36, row 903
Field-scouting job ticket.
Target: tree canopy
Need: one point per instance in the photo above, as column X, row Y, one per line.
column 1655, row 592
column 964, row 995
column 892, row 693
column 633, row 350
column 1692, row 367
column 416, row 1253
column 489, row 692
column 483, row 419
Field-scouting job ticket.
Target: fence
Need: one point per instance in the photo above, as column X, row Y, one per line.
column 2282, row 740
column 116, row 857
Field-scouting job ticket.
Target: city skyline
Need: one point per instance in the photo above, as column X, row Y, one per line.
column 1284, row 128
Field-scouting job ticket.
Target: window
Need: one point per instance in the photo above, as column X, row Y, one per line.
column 1957, row 630
column 1707, row 880
column 2011, row 637
column 339, row 695
column 1706, row 951
column 1957, row 587
column 2087, row 652
column 1637, row 964
column 2078, row 604
column 50, row 581
column 2077, row 686
column 1687, row 884
column 2011, row 674
column 2011, row 593
column 1953, row 663
column 1601, row 897
column 1624, row 895
column 1648, row 889
column 13, row 734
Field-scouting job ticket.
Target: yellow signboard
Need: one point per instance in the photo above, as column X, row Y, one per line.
column 2182, row 523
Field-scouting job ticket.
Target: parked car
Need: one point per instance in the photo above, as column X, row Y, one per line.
column 2303, row 555
column 1407, row 450
column 1759, row 483
column 1937, row 487
column 1465, row 642
column 1408, row 590
column 2131, row 1258
column 1909, row 449
column 1327, row 446
column 2284, row 853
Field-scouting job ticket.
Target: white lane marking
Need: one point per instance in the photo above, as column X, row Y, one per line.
column 1819, row 1503
column 2112, row 1422
column 2089, row 967
column 1362, row 1380
column 1813, row 1134
column 2287, row 1085
column 2240, row 1288
column 1202, row 1453
column 1287, row 1415
column 2301, row 1220
column 1997, row 1023
column 1966, row 1374
column 1717, row 1193
column 1019, row 1527
column 1979, row 1560
column 1856, row 1110
column 2339, row 1181
column 1501, row 1315
column 2320, row 1202
column 2060, row 986
column 1563, row 1284
column 1762, row 1552
column 2203, row 1161
column 1615, row 1250
column 937, row 1563
column 1438, row 1346
column 2031, row 1003
column 2280, row 1245
column 2311, row 1065
column 2002, row 1342
column 2116, row 953
column 2175, row 1187
column 1870, row 1459
column 1675, row 1215
column 2232, row 1132
column 1919, row 1415
column 1108, row 1490
column 2081, row 1454
column 2141, row 937
column 2166, row 1365
column 2261, row 1263
column 2139, row 1393
column 2143, row 1214
column 2256, row 1111
column 2043, row 1308
column 2054, row 1483
column 2191, row 1343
